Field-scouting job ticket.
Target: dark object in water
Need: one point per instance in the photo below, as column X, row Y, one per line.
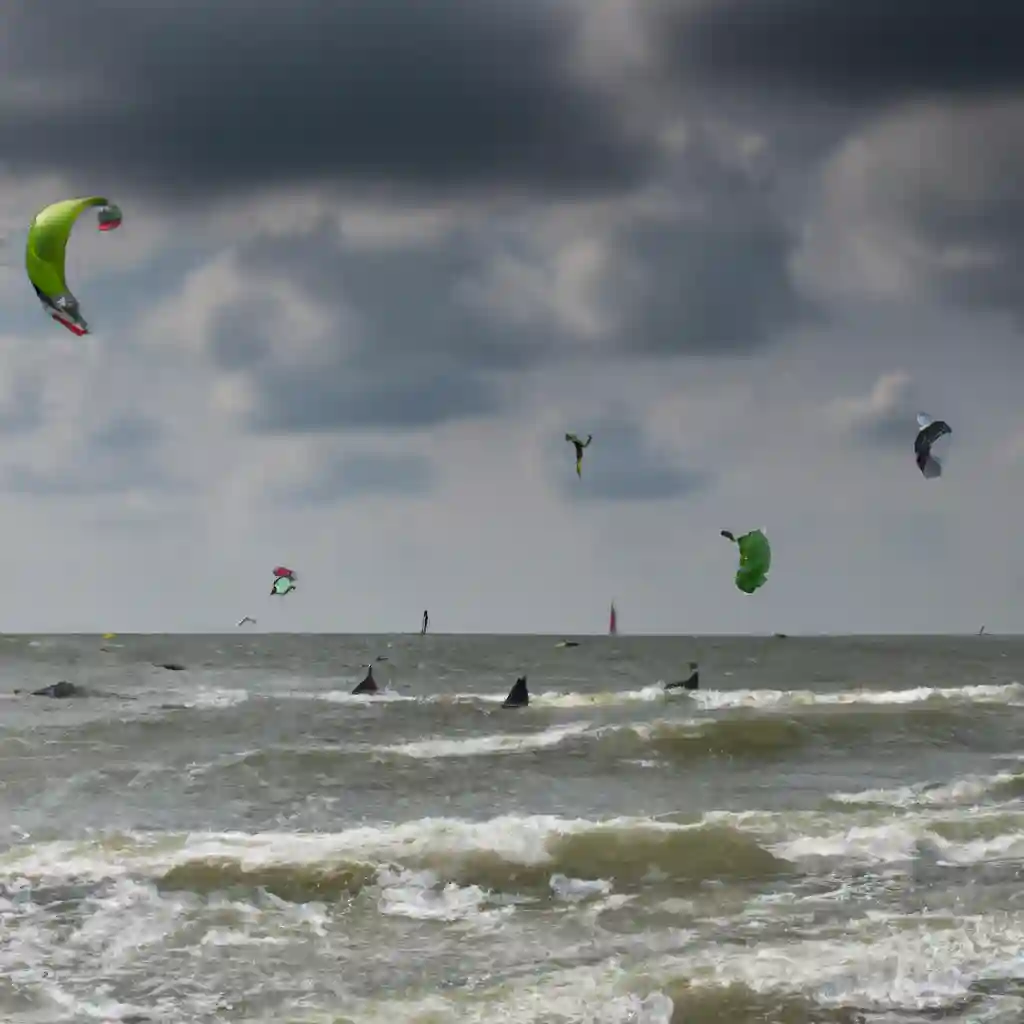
column 692, row 683
column 368, row 685
column 781, row 636
column 518, row 696
column 172, row 666
column 65, row 689
column 58, row 690
column 568, row 643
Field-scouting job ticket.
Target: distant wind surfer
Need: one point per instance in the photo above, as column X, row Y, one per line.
column 579, row 446
column 426, row 622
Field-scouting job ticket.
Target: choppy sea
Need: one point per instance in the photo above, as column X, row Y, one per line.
column 830, row 830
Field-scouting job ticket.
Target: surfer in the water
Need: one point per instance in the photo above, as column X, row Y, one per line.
column 690, row 683
column 368, row 685
column 518, row 696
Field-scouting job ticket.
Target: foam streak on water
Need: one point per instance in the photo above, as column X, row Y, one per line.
column 831, row 831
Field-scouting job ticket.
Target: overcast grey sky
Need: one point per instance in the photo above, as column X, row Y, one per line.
column 377, row 258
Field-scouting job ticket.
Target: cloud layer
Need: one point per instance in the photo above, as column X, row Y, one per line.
column 190, row 100
column 377, row 259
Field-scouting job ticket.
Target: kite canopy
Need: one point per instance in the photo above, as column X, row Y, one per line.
column 45, row 251
column 284, row 581
column 931, row 445
column 755, row 559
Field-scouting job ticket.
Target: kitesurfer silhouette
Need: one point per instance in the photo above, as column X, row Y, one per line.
column 691, row 683
column 579, row 446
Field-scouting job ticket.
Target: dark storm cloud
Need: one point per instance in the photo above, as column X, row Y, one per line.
column 985, row 227
column 716, row 281
column 365, row 394
column 406, row 300
column 948, row 73
column 454, row 94
column 955, row 219
column 410, row 351
column 405, row 354
column 711, row 288
column 372, row 474
column 622, row 464
column 190, row 99
column 848, row 51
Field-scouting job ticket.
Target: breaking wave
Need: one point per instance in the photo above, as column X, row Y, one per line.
column 507, row 854
column 706, row 700
column 137, row 890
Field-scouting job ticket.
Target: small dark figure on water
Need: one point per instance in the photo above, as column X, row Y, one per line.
column 518, row 696
column 692, row 683
column 369, row 684
column 57, row 690
column 426, row 622
column 64, row 689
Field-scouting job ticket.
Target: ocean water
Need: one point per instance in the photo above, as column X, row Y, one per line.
column 830, row 830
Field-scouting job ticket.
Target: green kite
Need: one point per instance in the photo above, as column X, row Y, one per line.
column 755, row 559
column 45, row 252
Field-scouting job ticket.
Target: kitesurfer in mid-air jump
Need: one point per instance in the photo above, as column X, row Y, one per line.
column 579, row 446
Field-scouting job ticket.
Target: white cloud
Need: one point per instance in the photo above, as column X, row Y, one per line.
column 884, row 410
column 291, row 323
column 560, row 288
column 915, row 200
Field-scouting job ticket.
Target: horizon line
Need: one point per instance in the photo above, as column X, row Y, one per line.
column 540, row 635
